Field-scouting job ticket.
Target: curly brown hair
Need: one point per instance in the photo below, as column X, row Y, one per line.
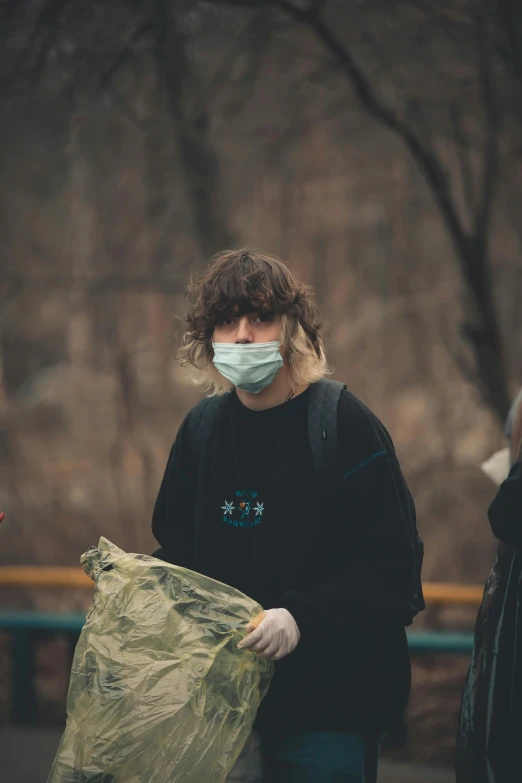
column 237, row 282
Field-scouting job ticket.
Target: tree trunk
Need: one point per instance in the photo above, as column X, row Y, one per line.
column 197, row 155
column 481, row 328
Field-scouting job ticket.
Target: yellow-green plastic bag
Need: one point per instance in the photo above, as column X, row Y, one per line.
column 158, row 691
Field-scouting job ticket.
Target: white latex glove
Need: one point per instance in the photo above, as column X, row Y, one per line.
column 497, row 466
column 276, row 635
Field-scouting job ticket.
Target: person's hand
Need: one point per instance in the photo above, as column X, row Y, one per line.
column 252, row 625
column 2, row 516
column 276, row 636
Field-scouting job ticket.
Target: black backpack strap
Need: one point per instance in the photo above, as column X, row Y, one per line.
column 322, row 426
column 322, row 434
column 201, row 424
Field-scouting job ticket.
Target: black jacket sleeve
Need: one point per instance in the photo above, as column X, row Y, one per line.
column 505, row 512
column 370, row 570
column 173, row 516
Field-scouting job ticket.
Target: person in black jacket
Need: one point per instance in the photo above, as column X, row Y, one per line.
column 490, row 725
column 505, row 512
column 333, row 569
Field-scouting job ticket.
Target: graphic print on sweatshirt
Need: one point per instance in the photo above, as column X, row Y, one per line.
column 245, row 509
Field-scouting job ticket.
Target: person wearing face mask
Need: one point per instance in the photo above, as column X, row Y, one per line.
column 490, row 721
column 284, row 485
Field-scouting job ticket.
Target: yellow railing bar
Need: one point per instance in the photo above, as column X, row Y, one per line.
column 452, row 593
column 44, row 576
column 62, row 576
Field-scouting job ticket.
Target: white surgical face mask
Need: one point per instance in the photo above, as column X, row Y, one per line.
column 250, row 367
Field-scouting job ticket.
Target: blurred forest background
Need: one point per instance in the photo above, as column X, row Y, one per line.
column 374, row 145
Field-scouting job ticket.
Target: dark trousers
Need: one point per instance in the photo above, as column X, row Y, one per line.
column 320, row 757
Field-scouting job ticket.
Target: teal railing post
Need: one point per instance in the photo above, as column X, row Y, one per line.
column 24, row 628
column 23, row 695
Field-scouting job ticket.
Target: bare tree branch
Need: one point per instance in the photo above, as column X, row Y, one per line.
column 492, row 117
column 197, row 154
column 42, row 38
column 114, row 96
column 259, row 31
column 481, row 328
column 126, row 53
column 427, row 159
column 15, row 283
column 463, row 156
column 509, row 14
column 461, row 360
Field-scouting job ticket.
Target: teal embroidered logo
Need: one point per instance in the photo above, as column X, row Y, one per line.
column 245, row 510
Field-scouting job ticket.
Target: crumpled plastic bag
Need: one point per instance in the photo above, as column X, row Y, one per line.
column 158, row 689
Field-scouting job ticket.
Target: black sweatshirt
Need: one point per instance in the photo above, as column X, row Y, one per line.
column 505, row 512
column 255, row 516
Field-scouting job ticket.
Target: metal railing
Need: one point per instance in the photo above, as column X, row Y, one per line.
column 25, row 627
column 64, row 576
